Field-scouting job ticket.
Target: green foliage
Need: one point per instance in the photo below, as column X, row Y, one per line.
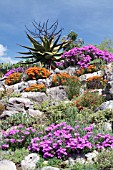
column 4, row 67
column 46, row 49
column 17, row 119
column 54, row 162
column 60, row 113
column 73, row 87
column 72, row 37
column 106, row 44
column 101, row 116
column 90, row 100
column 1, row 73
column 98, row 62
column 43, row 107
column 17, row 156
column 15, row 94
column 105, row 160
column 2, row 108
column 79, row 166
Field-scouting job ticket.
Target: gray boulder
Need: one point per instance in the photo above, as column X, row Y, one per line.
column 35, row 113
column 19, row 104
column 7, row 165
column 84, row 77
column 109, row 90
column 29, row 163
column 50, row 168
column 18, row 87
column 105, row 105
column 35, row 96
column 7, row 113
column 56, row 94
column 32, row 82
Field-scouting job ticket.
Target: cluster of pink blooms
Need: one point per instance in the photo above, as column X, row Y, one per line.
column 19, row 69
column 59, row 140
column 17, row 136
column 82, row 56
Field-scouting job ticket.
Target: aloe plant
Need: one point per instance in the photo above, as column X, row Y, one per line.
column 47, row 48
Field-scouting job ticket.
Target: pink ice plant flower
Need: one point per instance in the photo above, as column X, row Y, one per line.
column 83, row 55
column 59, row 140
column 17, row 136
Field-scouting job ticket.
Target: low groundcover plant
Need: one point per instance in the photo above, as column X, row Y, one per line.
column 83, row 56
column 62, row 140
column 17, row 137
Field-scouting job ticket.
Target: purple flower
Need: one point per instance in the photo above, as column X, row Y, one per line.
column 5, row 146
column 12, row 140
column 88, row 128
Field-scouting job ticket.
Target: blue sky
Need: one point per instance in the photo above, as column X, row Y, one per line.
column 92, row 20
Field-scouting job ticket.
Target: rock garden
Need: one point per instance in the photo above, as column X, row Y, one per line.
column 58, row 113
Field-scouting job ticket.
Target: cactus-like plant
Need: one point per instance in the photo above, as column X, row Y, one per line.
column 47, row 48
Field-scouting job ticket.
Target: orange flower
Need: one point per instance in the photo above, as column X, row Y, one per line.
column 36, row 87
column 37, row 72
column 13, row 78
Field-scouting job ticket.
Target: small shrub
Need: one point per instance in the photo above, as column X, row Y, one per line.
column 105, row 160
column 60, row 79
column 90, row 100
column 96, row 82
column 2, row 108
column 36, row 88
column 73, row 87
column 64, row 79
column 79, row 166
column 1, row 73
column 13, row 78
column 17, row 119
column 101, row 116
column 34, row 73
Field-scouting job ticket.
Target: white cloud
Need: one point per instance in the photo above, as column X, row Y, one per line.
column 2, row 50
column 8, row 60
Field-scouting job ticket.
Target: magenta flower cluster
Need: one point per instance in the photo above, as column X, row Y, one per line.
column 82, row 56
column 61, row 140
column 19, row 69
column 17, row 137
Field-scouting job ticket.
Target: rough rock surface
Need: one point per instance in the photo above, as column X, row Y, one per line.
column 84, row 77
column 29, row 163
column 35, row 113
column 105, row 105
column 19, row 104
column 109, row 90
column 7, row 165
column 50, row 168
column 56, row 94
column 35, row 96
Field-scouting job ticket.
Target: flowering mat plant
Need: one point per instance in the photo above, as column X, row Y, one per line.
column 59, row 140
